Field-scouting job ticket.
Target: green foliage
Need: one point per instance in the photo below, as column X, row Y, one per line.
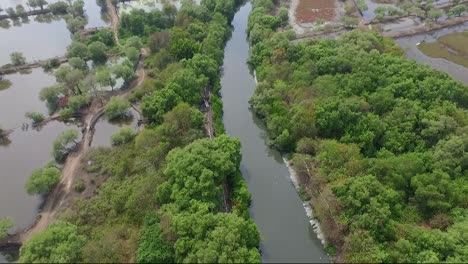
column 63, row 144
column 43, row 180
column 17, row 58
column 104, row 77
column 117, row 108
column 123, row 71
column 59, row 7
column 78, row 63
column 384, row 139
column 97, row 52
column 153, row 247
column 77, row 50
column 59, row 243
column 77, row 102
column 123, row 136
column 50, row 95
column 36, row 117
column 75, row 24
column 5, row 225
column 133, row 54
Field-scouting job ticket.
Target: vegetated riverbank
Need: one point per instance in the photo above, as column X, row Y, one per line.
column 139, row 193
column 358, row 119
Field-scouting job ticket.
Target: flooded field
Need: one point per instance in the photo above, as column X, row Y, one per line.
column 409, row 44
column 48, row 33
column 309, row 11
column 452, row 47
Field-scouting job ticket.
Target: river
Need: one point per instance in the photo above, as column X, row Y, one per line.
column 276, row 207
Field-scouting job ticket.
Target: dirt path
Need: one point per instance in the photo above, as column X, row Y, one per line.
column 114, row 17
column 59, row 198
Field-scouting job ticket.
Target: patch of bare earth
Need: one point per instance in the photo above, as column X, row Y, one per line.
column 308, row 11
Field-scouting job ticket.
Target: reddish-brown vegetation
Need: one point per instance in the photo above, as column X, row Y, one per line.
column 310, row 10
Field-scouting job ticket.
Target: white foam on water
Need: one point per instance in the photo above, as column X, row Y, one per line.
column 307, row 207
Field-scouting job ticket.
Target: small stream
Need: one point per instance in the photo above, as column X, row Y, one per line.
column 276, row 207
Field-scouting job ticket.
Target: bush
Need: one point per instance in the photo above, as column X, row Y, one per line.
column 63, row 144
column 59, row 243
column 36, row 117
column 79, row 186
column 65, row 114
column 43, row 180
column 17, row 58
column 117, row 108
column 123, row 136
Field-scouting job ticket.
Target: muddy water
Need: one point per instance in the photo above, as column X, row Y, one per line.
column 23, row 96
column 105, row 129
column 276, row 207
column 28, row 149
column 458, row 72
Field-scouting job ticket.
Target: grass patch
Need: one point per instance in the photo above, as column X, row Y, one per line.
column 5, row 84
column 451, row 47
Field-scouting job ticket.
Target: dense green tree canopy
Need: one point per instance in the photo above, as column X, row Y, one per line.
column 59, row 243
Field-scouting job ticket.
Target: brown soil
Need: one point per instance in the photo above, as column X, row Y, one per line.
column 310, row 10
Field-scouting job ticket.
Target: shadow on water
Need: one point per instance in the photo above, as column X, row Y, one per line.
column 276, row 207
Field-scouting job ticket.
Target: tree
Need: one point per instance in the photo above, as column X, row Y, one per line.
column 123, row 136
column 360, row 247
column 435, row 14
column 76, row 8
column 71, row 78
column 117, row 107
column 155, row 106
column 153, row 247
column 41, row 3
column 51, row 96
column 158, row 41
column 43, row 180
column 20, row 11
column 11, row 12
column 124, row 72
column 196, row 176
column 78, row 63
column 36, row 117
column 225, row 238
column 457, row 10
column 182, row 47
column 134, row 42
column 433, row 192
column 58, row 8
column 75, row 24
column 5, row 225
column 63, row 144
column 78, row 50
column 59, row 243
column 132, row 54
column 104, row 77
column 97, row 52
column 17, row 58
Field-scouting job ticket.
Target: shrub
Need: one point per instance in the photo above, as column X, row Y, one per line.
column 123, row 136
column 117, row 108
